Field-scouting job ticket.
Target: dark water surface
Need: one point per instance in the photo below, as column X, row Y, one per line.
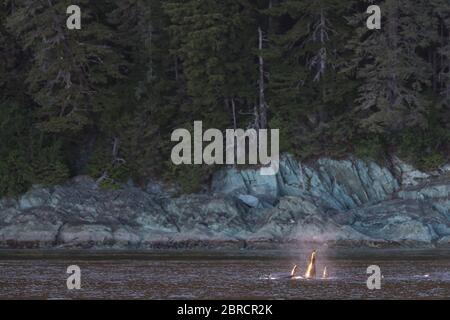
column 407, row 274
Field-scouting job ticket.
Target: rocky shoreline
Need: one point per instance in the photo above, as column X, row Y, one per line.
column 328, row 202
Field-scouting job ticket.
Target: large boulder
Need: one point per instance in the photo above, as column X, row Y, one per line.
column 342, row 184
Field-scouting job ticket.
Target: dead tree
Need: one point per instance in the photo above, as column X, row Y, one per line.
column 115, row 162
column 262, row 112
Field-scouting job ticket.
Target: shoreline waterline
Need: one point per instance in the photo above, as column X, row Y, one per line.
column 223, row 274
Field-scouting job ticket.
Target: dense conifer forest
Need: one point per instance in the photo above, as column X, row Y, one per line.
column 105, row 99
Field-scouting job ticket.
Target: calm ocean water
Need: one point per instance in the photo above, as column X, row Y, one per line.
column 407, row 274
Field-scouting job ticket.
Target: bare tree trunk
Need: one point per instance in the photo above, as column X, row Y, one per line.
column 392, row 82
column 176, row 69
column 322, row 63
column 102, row 178
column 445, row 60
column 262, row 100
column 233, row 107
column 115, row 152
column 115, row 160
column 115, row 149
column 435, row 74
column 256, row 124
column 271, row 3
column 447, row 83
column 233, row 111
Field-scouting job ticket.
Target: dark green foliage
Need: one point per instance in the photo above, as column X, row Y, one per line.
column 394, row 75
column 211, row 41
column 49, row 166
column 308, row 92
column 105, row 99
column 371, row 147
column 25, row 158
column 15, row 173
column 188, row 178
column 424, row 148
column 69, row 72
column 111, row 173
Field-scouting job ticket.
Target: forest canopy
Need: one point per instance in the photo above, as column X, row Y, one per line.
column 104, row 100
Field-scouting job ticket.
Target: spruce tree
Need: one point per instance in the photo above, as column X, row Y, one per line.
column 69, row 71
column 441, row 14
column 148, row 107
column 211, row 40
column 306, row 83
column 393, row 75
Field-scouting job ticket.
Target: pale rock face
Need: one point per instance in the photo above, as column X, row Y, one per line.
column 429, row 191
column 444, row 241
column 34, row 198
column 343, row 184
column 124, row 237
column 250, row 200
column 408, row 174
column 325, row 201
column 30, row 233
column 86, row 234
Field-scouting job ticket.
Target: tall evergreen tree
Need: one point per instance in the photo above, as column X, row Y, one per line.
column 393, row 75
column 211, row 40
column 69, row 70
column 105, row 99
column 441, row 13
column 306, row 84
column 142, row 122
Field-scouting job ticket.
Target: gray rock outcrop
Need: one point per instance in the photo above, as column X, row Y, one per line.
column 347, row 201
